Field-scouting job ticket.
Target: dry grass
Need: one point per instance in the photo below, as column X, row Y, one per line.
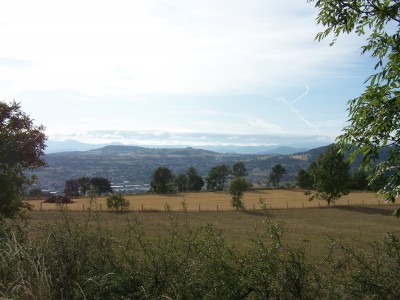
column 219, row 201
column 359, row 215
column 314, row 226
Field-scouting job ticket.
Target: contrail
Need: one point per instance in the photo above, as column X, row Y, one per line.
column 295, row 111
column 302, row 95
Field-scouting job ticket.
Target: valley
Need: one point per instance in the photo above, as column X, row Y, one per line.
column 132, row 165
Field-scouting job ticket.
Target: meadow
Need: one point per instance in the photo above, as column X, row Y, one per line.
column 62, row 252
column 359, row 216
column 219, row 201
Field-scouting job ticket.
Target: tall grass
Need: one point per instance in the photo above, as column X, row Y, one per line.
column 89, row 260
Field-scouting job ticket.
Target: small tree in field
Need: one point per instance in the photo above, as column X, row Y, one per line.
column 117, row 202
column 237, row 187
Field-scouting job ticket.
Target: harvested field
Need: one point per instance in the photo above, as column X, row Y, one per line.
column 315, row 226
column 220, row 201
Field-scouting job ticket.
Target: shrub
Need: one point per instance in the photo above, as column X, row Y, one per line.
column 86, row 260
column 117, row 202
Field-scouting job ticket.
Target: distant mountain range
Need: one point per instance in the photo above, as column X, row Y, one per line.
column 73, row 145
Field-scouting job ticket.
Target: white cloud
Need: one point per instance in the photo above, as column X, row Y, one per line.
column 168, row 47
column 150, row 138
column 173, row 66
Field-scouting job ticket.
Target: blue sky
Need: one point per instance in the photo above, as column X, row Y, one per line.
column 177, row 72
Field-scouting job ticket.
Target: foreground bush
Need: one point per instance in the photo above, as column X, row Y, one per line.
column 86, row 260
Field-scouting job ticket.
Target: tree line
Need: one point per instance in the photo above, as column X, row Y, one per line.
column 82, row 185
column 328, row 178
column 219, row 178
column 163, row 180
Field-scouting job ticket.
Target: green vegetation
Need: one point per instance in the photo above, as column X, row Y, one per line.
column 189, row 181
column 374, row 119
column 117, row 202
column 217, row 177
column 21, row 149
column 304, row 179
column 238, row 185
column 80, row 186
column 330, row 176
column 276, row 175
column 252, row 256
column 118, row 256
column 162, row 180
column 239, row 169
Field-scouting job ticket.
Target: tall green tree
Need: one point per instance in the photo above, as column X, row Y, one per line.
column 84, row 185
column 180, row 182
column 80, row 186
column 277, row 173
column 304, row 179
column 238, row 185
column 71, row 188
column 358, row 180
column 330, row 174
column 21, row 151
column 101, row 185
column 239, row 169
column 162, row 180
column 217, row 177
column 194, row 181
column 374, row 120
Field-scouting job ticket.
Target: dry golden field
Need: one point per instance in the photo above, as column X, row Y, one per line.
column 357, row 216
column 219, row 201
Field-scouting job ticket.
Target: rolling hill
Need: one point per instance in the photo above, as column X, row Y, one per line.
column 134, row 165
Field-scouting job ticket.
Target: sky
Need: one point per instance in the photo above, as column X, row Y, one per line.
column 183, row 72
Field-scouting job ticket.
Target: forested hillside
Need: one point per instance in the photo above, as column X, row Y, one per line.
column 134, row 165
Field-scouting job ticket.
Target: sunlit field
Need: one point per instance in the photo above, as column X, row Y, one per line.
column 315, row 226
column 219, row 201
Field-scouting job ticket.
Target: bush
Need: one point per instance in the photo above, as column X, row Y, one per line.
column 117, row 202
column 86, row 260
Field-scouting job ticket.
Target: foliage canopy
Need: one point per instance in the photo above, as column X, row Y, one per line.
column 238, row 185
column 82, row 185
column 162, row 180
column 239, row 169
column 21, row 149
column 330, row 173
column 374, row 121
column 276, row 175
column 217, row 177
column 304, row 179
column 189, row 181
column 117, row 202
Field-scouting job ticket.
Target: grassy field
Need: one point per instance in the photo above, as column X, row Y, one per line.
column 219, row 201
column 313, row 225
